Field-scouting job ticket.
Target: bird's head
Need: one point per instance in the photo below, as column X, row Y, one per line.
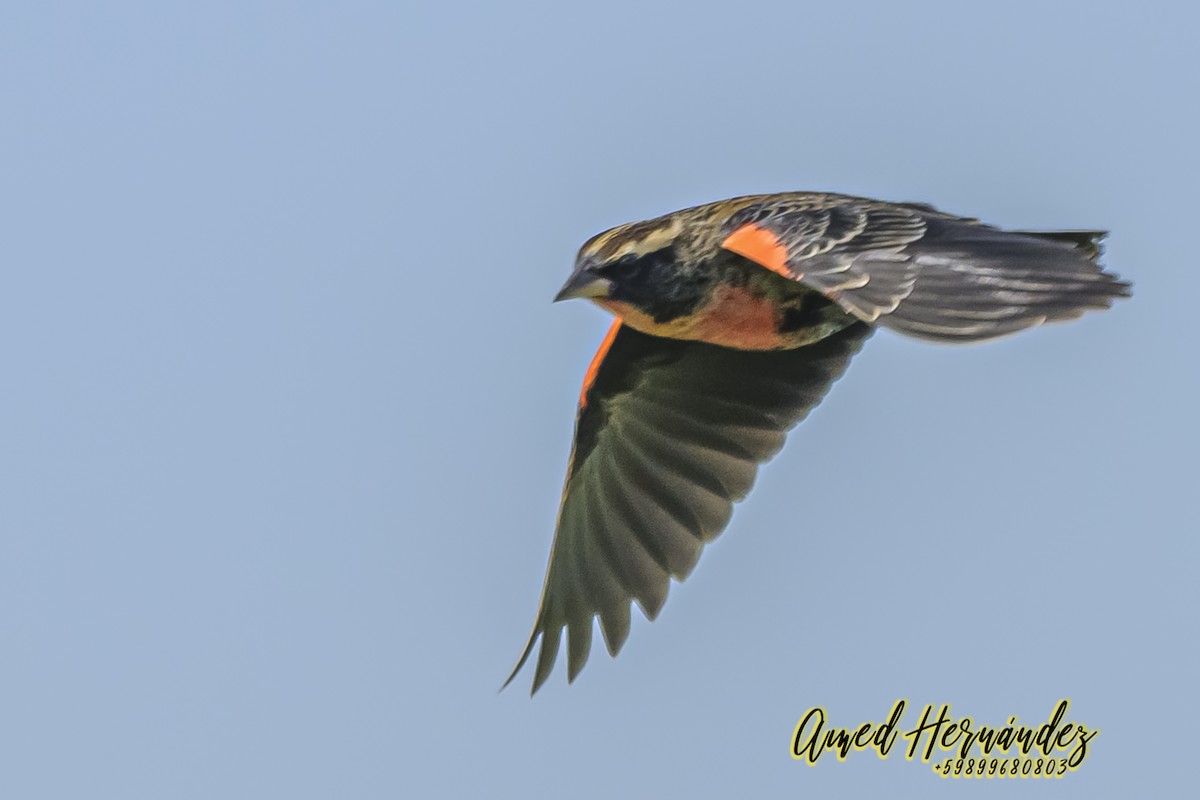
column 636, row 269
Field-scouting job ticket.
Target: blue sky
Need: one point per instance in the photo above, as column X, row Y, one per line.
column 286, row 404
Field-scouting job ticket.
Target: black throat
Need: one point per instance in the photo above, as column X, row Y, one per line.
column 657, row 284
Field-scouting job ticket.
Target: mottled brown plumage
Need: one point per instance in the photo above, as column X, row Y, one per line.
column 734, row 318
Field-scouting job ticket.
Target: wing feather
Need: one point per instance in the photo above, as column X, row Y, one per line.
column 922, row 272
column 669, row 435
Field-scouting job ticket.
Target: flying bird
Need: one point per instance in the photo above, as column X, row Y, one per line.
column 733, row 319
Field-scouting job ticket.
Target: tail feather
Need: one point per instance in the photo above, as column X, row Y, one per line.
column 975, row 282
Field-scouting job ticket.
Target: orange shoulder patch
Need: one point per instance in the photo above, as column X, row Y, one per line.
column 760, row 246
column 589, row 377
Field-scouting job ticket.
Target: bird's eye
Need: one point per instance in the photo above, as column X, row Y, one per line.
column 606, row 269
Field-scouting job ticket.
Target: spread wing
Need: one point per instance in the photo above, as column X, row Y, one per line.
column 669, row 434
column 921, row 272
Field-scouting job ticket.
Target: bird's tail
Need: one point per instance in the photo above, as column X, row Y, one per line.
column 974, row 282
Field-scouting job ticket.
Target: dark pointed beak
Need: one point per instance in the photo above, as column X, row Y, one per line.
column 584, row 283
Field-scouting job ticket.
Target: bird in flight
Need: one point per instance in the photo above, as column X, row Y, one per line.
column 733, row 319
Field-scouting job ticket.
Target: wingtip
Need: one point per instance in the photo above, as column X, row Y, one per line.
column 545, row 663
column 521, row 661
